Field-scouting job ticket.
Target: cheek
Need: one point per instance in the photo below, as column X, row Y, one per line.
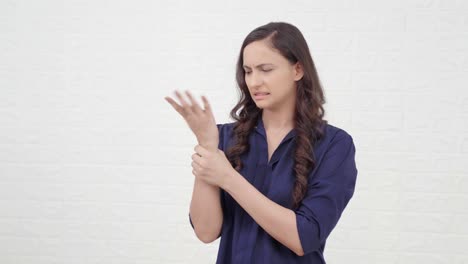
column 282, row 76
column 281, row 80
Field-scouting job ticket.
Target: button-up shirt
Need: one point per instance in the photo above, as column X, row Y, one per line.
column 330, row 187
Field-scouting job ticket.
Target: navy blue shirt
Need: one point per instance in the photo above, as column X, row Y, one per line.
column 330, row 187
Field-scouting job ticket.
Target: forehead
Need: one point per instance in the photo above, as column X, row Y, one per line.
column 259, row 52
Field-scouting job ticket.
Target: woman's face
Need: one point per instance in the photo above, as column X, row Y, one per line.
column 269, row 76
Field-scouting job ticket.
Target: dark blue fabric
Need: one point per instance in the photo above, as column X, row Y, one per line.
column 330, row 187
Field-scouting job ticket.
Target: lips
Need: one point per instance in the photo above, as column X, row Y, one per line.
column 260, row 95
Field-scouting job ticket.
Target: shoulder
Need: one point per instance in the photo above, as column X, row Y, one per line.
column 334, row 134
column 335, row 142
column 335, row 155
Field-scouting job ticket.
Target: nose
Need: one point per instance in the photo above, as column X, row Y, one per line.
column 254, row 79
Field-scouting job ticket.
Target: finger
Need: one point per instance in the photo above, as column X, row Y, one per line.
column 197, row 169
column 201, row 150
column 174, row 104
column 196, row 158
column 185, row 106
column 195, row 166
column 195, row 107
column 207, row 105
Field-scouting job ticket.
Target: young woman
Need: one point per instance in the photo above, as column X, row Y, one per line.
column 274, row 183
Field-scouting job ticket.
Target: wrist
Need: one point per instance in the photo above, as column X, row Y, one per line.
column 208, row 144
column 199, row 181
column 229, row 179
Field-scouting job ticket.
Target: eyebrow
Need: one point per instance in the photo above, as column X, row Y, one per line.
column 258, row 66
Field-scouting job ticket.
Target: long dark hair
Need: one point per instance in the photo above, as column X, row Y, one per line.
column 309, row 112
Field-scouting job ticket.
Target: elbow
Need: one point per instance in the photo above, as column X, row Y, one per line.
column 309, row 236
column 205, row 234
column 206, row 240
column 207, row 237
column 310, row 245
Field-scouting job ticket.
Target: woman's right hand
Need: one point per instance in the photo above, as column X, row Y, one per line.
column 201, row 122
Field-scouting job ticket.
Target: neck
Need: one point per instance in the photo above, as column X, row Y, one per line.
column 274, row 121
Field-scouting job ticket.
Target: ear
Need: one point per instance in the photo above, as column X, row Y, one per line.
column 298, row 71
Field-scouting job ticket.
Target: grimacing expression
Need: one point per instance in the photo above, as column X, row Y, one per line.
column 270, row 77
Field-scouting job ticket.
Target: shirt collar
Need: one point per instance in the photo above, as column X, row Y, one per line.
column 261, row 130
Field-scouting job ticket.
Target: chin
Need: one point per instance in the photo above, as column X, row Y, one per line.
column 262, row 105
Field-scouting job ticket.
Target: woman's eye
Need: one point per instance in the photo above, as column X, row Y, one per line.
column 263, row 70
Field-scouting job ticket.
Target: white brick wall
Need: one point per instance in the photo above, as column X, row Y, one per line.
column 95, row 165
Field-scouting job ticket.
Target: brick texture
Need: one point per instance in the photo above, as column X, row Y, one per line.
column 95, row 165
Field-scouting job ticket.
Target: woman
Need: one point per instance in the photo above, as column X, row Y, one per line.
column 287, row 174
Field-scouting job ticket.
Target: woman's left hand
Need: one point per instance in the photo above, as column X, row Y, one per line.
column 210, row 166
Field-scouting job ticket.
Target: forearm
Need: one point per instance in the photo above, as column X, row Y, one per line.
column 276, row 220
column 205, row 210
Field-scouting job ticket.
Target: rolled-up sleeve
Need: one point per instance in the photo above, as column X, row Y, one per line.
column 330, row 187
